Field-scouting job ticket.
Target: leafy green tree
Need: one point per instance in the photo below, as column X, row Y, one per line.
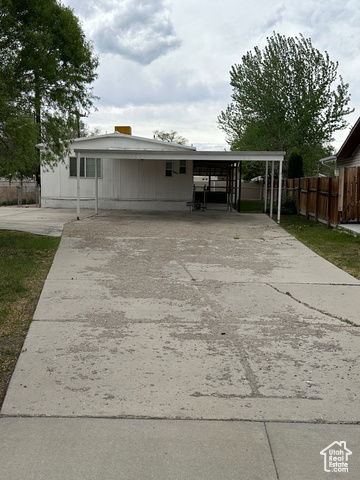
column 18, row 132
column 17, row 152
column 285, row 97
column 172, row 137
column 46, row 74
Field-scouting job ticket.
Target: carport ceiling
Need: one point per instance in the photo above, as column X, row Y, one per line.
column 206, row 163
column 209, row 169
column 210, row 157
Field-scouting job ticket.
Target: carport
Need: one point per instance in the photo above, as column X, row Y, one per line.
column 207, row 162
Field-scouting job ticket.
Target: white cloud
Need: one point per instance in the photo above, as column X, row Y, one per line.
column 165, row 64
column 138, row 30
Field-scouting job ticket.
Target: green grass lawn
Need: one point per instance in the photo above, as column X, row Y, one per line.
column 340, row 247
column 251, row 206
column 25, row 260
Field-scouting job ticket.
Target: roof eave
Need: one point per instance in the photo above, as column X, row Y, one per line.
column 351, row 143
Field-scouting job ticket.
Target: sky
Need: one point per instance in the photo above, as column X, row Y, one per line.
column 164, row 64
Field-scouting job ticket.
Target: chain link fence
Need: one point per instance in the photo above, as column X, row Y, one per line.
column 19, row 193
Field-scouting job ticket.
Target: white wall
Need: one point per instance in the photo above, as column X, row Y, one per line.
column 354, row 161
column 125, row 184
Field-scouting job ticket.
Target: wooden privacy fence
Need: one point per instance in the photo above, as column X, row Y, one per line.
column 349, row 194
column 330, row 200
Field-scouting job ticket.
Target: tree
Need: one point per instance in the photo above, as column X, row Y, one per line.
column 288, row 96
column 45, row 76
column 295, row 165
column 18, row 132
column 172, row 137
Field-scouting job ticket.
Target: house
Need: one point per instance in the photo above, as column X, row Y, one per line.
column 122, row 171
column 349, row 153
column 336, row 457
column 135, row 183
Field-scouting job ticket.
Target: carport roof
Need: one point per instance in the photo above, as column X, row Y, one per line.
column 203, row 156
column 205, row 162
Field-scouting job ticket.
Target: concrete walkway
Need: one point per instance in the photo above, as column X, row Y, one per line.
column 195, row 345
column 351, row 227
column 42, row 221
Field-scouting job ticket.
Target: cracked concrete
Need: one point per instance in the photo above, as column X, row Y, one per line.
column 187, row 321
column 182, row 316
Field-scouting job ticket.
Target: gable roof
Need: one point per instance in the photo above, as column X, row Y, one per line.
column 351, row 143
column 124, row 141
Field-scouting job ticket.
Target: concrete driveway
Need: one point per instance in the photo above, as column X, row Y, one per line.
column 41, row 221
column 194, row 316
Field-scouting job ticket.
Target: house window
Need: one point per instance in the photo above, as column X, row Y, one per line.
column 182, row 166
column 87, row 167
column 168, row 169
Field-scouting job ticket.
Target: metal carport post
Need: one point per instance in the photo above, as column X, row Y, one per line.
column 272, row 189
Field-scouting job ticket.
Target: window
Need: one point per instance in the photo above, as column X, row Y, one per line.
column 87, row 167
column 182, row 166
column 169, row 169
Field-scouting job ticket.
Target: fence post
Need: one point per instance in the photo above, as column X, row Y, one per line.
column 298, row 196
column 329, row 203
column 358, row 195
column 307, row 197
column 317, row 200
column 341, row 193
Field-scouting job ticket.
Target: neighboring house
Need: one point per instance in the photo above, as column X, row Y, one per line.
column 349, row 153
column 121, row 171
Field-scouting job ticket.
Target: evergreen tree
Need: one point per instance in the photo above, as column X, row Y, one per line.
column 295, row 166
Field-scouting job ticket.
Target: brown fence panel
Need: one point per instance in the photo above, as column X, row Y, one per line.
column 303, row 205
column 317, row 197
column 334, row 217
column 328, row 200
column 351, row 195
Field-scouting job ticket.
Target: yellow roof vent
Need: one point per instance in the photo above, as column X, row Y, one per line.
column 126, row 130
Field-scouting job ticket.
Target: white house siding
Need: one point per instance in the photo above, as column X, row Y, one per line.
column 125, row 184
column 354, row 161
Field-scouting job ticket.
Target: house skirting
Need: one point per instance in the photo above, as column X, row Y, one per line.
column 113, row 204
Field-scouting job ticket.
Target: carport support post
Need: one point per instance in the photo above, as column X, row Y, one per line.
column 236, row 185
column 266, row 185
column 78, row 185
column 96, row 186
column 279, row 192
column 272, row 190
column 240, row 177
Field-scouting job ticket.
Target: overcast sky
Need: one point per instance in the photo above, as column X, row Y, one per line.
column 164, row 64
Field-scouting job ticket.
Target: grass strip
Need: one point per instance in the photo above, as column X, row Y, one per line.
column 25, row 260
column 338, row 246
column 251, row 206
